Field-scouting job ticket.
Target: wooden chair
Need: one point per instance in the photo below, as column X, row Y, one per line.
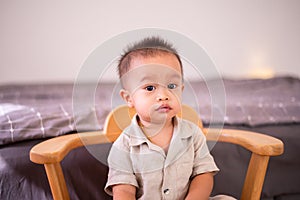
column 51, row 152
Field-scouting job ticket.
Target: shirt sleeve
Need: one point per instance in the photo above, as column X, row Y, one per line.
column 120, row 166
column 203, row 161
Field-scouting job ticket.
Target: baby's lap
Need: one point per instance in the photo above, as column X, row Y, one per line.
column 222, row 197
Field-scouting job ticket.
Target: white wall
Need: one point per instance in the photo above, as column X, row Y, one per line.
column 49, row 40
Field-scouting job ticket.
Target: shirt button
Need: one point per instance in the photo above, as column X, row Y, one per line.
column 166, row 191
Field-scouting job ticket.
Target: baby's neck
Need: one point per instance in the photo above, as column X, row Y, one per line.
column 159, row 134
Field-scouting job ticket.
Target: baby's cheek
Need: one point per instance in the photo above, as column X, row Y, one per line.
column 177, row 95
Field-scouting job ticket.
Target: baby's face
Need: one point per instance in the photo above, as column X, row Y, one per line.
column 154, row 87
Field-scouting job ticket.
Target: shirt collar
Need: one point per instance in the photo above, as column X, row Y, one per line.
column 137, row 136
column 135, row 133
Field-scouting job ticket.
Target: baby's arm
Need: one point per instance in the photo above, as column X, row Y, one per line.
column 123, row 192
column 201, row 187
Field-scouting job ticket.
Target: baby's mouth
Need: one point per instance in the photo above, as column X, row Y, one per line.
column 163, row 108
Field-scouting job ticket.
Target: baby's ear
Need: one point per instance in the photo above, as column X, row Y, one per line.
column 127, row 97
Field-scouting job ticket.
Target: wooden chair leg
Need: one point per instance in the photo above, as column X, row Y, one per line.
column 255, row 177
column 57, row 181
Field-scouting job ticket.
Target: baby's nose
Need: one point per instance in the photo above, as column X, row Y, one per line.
column 162, row 98
column 162, row 95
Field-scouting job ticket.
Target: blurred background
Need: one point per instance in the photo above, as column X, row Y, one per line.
column 48, row 41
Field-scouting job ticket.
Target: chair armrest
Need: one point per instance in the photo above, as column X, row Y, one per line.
column 55, row 149
column 260, row 144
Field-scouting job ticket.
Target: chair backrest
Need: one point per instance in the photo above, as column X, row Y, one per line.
column 120, row 118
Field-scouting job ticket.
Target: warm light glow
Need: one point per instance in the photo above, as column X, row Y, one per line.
column 259, row 62
column 261, row 72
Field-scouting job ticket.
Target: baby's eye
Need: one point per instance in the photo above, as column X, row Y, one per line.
column 172, row 86
column 150, row 88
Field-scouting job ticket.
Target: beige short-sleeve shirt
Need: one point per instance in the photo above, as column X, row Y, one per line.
column 134, row 160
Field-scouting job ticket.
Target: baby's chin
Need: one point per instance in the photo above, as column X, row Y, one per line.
column 161, row 119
